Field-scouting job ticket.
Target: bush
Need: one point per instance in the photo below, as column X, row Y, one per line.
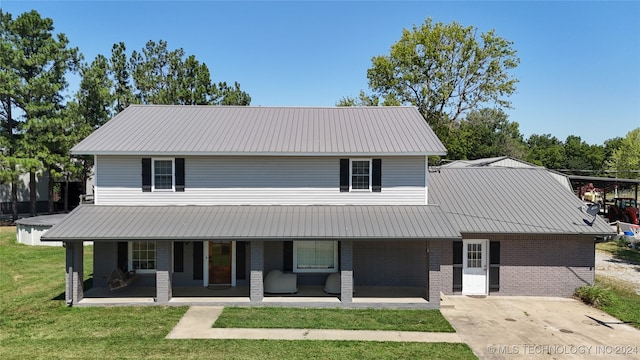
column 593, row 295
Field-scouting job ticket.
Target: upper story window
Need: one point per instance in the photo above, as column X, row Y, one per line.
column 163, row 174
column 360, row 175
column 360, row 178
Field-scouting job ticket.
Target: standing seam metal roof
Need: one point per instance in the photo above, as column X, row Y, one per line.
column 259, row 222
column 243, row 130
column 509, row 200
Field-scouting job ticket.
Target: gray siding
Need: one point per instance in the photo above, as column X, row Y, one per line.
column 260, row 181
column 396, row 263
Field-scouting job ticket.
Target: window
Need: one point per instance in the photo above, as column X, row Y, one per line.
column 163, row 174
column 315, row 256
column 474, row 255
column 142, row 256
column 360, row 174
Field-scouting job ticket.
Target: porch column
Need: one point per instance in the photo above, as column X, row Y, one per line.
column 256, row 291
column 74, row 272
column 436, row 277
column 163, row 271
column 346, row 271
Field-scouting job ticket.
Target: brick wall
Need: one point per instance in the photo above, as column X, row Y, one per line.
column 389, row 263
column 543, row 265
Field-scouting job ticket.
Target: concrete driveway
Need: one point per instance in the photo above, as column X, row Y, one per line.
column 504, row 327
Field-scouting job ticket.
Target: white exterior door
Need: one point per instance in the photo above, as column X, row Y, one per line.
column 474, row 267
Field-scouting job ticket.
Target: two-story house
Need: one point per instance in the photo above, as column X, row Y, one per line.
column 205, row 203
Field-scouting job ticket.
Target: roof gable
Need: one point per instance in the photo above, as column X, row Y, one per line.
column 242, row 130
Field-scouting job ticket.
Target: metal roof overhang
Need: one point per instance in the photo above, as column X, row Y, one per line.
column 249, row 222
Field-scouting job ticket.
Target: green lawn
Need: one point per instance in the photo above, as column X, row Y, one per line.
column 36, row 324
column 619, row 250
column 625, row 302
column 348, row 319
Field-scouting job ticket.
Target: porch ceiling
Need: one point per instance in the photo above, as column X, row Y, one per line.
column 260, row 222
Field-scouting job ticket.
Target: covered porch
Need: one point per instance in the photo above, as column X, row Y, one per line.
column 355, row 230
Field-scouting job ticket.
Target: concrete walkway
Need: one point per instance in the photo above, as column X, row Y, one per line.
column 198, row 320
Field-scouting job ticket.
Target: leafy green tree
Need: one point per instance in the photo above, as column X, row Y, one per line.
column 35, row 62
column 581, row 156
column 92, row 107
column 491, row 134
column 163, row 76
column 626, row 158
column 445, row 70
column 362, row 100
column 546, row 150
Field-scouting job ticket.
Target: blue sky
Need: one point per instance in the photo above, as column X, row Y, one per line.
column 579, row 72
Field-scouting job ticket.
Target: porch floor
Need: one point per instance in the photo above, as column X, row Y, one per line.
column 371, row 296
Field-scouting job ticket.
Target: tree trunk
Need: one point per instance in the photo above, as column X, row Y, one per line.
column 33, row 193
column 50, row 192
column 14, row 198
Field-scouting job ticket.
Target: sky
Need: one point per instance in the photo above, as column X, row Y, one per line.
column 579, row 71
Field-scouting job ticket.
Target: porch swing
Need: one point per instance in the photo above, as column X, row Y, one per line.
column 118, row 279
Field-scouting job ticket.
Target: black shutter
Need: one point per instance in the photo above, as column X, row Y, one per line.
column 146, row 174
column 457, row 266
column 344, row 175
column 123, row 256
column 178, row 256
column 287, row 256
column 376, row 176
column 197, row 260
column 179, row 174
column 241, row 260
column 494, row 265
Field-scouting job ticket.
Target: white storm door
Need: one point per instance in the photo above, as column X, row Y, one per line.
column 474, row 267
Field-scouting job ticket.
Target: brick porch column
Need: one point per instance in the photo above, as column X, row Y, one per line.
column 436, row 277
column 74, row 272
column 346, row 271
column 163, row 271
column 256, row 290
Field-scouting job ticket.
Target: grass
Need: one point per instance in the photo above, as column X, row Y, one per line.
column 620, row 251
column 36, row 324
column 623, row 304
column 348, row 319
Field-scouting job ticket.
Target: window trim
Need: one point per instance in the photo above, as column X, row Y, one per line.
column 370, row 188
column 153, row 174
column 323, row 270
column 130, row 257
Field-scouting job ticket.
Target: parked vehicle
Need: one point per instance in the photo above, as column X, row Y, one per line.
column 625, row 210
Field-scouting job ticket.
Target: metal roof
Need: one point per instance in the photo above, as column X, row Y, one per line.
column 509, row 200
column 42, row 220
column 260, row 222
column 243, row 130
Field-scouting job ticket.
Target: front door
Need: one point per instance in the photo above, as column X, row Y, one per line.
column 220, row 262
column 474, row 267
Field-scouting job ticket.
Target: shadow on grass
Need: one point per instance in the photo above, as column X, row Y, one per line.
column 86, row 285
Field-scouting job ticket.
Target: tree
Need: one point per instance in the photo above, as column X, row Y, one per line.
column 546, row 150
column 489, row 133
column 362, row 100
column 35, row 62
column 92, row 107
column 445, row 70
column 163, row 76
column 626, row 158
